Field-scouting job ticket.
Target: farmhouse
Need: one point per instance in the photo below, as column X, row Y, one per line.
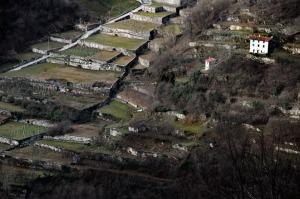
column 259, row 44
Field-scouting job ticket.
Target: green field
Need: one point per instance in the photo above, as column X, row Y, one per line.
column 124, row 60
column 48, row 71
column 40, row 154
column 104, row 55
column 10, row 107
column 26, row 56
column 75, row 147
column 48, row 45
column 116, row 42
column 69, row 35
column 133, row 25
column 153, row 15
column 4, row 147
column 20, row 176
column 107, row 8
column 118, row 110
column 19, row 131
column 81, row 51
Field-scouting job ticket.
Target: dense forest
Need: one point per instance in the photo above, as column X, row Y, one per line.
column 24, row 21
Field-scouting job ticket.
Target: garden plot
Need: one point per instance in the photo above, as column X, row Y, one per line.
column 91, row 53
column 131, row 29
column 11, row 107
column 40, row 154
column 48, row 71
column 79, row 102
column 71, row 147
column 27, row 56
column 124, row 61
column 158, row 17
column 4, row 147
column 45, row 47
column 66, row 37
column 110, row 43
column 19, row 131
column 10, row 175
column 105, row 9
column 118, row 110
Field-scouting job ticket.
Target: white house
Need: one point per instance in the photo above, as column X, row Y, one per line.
column 259, row 44
column 209, row 62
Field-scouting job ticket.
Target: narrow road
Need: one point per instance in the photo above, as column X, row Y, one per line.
column 84, row 36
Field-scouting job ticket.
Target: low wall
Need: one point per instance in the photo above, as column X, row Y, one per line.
column 157, row 20
column 129, row 33
column 9, row 141
column 70, row 138
column 108, row 48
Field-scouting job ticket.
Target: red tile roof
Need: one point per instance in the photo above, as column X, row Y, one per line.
column 260, row 38
column 210, row 59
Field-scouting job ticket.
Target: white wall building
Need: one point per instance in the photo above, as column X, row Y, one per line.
column 209, row 62
column 259, row 44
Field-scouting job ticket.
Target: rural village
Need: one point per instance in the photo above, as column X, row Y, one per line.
column 82, row 99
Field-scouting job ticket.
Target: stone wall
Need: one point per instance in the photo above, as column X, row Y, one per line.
column 157, row 20
column 172, row 2
column 90, row 64
column 103, row 47
column 129, row 33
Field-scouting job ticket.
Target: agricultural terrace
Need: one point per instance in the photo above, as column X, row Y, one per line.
column 4, row 147
column 78, row 102
column 46, row 71
column 116, row 42
column 196, row 128
column 124, row 60
column 107, row 8
column 20, row 176
column 118, row 110
column 40, row 154
column 74, row 147
column 19, row 131
column 91, row 53
column 26, row 56
column 69, row 35
column 104, row 55
column 133, row 25
column 154, row 15
column 48, row 45
column 11, row 107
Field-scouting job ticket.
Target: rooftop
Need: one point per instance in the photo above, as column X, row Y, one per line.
column 260, row 37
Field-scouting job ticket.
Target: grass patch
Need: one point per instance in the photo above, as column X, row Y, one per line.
column 48, row 71
column 69, row 35
column 4, row 147
column 153, row 15
column 26, row 56
column 104, row 55
column 11, row 107
column 133, row 25
column 51, row 45
column 19, row 131
column 11, row 175
column 75, row 147
column 39, row 154
column 80, row 51
column 124, row 60
column 118, row 110
column 107, row 8
column 116, row 42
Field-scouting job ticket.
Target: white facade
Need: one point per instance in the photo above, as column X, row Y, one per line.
column 259, row 46
column 209, row 62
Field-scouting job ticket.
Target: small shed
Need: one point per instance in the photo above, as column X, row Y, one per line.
column 209, row 62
